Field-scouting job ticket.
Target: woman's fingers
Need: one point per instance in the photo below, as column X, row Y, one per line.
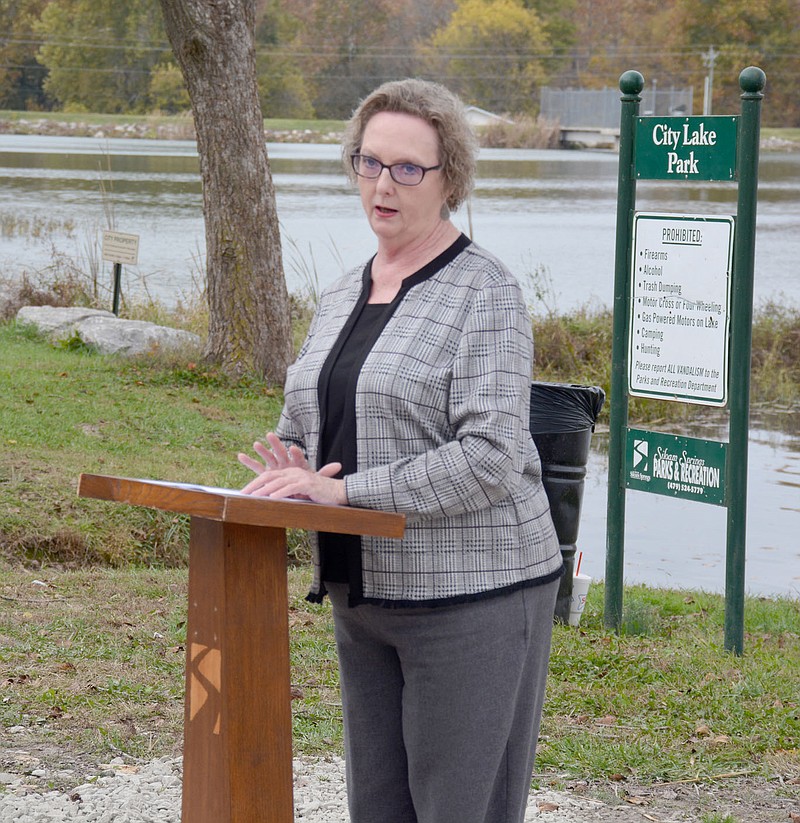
column 321, row 486
column 251, row 464
column 279, row 452
column 276, row 455
column 297, row 457
column 286, row 473
column 267, row 455
column 330, row 469
column 256, row 486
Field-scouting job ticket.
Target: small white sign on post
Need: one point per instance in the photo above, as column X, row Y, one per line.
column 680, row 307
column 120, row 248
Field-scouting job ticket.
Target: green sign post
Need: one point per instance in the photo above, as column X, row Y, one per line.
column 683, row 309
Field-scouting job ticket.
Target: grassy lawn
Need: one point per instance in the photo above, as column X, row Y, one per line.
column 65, row 412
column 92, row 658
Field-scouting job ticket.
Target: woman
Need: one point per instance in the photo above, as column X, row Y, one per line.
column 411, row 395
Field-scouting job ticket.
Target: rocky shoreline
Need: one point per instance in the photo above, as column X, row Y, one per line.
column 181, row 128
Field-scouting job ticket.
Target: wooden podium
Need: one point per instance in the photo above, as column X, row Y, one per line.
column 237, row 755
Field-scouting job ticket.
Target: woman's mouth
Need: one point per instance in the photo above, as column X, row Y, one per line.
column 385, row 211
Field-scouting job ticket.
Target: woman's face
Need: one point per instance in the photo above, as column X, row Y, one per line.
column 402, row 215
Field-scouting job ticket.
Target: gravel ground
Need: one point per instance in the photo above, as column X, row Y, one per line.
column 151, row 793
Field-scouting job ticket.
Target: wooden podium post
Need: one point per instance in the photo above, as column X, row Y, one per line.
column 237, row 755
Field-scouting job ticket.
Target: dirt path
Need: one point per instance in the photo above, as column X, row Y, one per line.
column 728, row 800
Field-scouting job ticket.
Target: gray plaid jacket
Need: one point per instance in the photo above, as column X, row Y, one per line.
column 442, row 409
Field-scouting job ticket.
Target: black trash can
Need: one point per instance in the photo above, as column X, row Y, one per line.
column 562, row 422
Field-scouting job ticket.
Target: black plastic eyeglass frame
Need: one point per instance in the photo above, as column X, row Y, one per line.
column 354, row 159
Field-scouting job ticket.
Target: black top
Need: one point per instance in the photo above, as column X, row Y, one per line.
column 340, row 554
column 339, row 433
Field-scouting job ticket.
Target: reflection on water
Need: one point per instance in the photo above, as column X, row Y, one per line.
column 681, row 544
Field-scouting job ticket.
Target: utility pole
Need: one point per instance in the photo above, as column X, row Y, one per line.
column 709, row 58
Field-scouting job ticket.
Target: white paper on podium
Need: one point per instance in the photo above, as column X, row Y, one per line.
column 195, row 487
column 192, row 487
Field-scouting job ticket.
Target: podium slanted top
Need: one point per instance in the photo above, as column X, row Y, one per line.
column 229, row 505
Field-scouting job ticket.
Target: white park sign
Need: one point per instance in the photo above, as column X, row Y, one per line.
column 680, row 307
column 119, row 247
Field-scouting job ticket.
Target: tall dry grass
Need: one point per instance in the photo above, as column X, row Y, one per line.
column 523, row 133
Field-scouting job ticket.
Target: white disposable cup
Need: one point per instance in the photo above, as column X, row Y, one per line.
column 580, row 588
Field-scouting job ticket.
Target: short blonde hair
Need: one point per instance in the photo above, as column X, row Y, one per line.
column 438, row 107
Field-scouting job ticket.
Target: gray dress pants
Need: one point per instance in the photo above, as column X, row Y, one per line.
column 442, row 706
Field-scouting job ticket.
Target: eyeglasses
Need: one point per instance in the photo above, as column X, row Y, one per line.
column 406, row 174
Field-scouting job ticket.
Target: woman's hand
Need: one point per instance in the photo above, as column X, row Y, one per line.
column 286, row 473
column 276, row 456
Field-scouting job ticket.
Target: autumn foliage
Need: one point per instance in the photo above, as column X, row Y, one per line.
column 318, row 58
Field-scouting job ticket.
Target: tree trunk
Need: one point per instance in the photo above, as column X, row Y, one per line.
column 249, row 322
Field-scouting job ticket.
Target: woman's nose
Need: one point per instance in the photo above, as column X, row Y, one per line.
column 384, row 180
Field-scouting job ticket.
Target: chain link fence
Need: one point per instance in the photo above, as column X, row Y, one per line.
column 599, row 108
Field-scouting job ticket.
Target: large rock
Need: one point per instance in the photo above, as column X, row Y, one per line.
column 131, row 337
column 56, row 320
column 105, row 331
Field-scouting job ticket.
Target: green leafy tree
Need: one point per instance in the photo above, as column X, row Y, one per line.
column 355, row 57
column 616, row 36
column 351, row 46
column 21, row 74
column 493, row 53
column 756, row 32
column 671, row 45
column 559, row 22
column 99, row 53
column 167, row 89
column 283, row 89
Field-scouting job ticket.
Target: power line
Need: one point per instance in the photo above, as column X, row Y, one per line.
column 88, row 43
column 370, row 51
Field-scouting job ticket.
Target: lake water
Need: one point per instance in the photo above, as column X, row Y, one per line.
column 551, row 211
column 540, row 211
